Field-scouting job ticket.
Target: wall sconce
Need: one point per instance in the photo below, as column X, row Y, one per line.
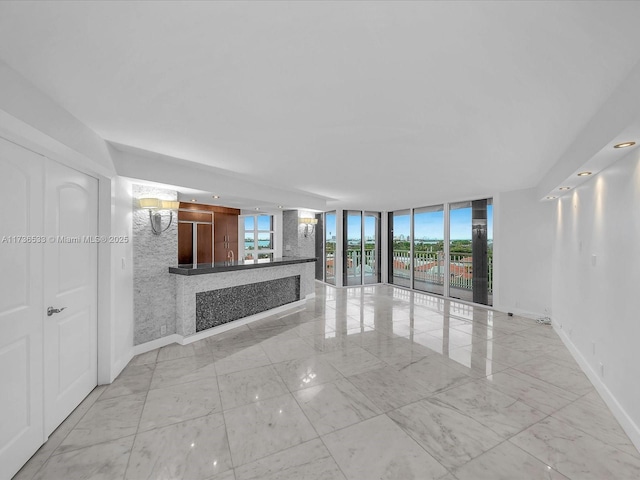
column 157, row 206
column 306, row 222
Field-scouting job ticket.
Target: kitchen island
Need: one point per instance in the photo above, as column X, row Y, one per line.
column 214, row 294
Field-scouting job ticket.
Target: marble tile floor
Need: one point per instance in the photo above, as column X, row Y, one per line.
column 361, row 383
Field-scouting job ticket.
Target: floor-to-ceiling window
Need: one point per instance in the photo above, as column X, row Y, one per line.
column 360, row 242
column 460, row 254
column 330, row 247
column 458, row 265
column 318, row 240
column 371, row 245
column 428, row 249
column 400, row 248
column 352, row 268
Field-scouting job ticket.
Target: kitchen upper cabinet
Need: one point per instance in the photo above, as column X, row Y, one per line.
column 209, row 231
column 226, row 236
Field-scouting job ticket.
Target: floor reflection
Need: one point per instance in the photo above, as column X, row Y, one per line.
column 362, row 382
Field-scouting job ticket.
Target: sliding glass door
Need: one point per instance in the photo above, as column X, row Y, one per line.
column 460, row 253
column 460, row 265
column 428, row 249
column 360, row 242
column 352, row 268
column 330, row 247
column 471, row 251
column 371, row 234
column 400, row 248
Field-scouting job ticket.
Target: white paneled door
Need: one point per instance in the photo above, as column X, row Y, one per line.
column 21, row 306
column 48, row 364
column 70, row 291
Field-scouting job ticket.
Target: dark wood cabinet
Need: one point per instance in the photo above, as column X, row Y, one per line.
column 185, row 243
column 204, row 235
column 226, row 236
column 211, row 230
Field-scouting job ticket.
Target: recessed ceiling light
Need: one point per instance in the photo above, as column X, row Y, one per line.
column 551, row 198
column 257, row 208
column 280, row 206
column 584, row 174
column 624, row 145
column 216, row 196
column 564, row 188
column 193, row 199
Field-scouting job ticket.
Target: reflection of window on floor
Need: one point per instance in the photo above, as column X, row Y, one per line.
column 258, row 233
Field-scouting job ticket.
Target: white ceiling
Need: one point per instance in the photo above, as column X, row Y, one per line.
column 378, row 105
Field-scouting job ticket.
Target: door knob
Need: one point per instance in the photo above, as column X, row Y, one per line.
column 51, row 310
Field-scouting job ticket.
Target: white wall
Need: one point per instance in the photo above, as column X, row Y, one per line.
column 30, row 118
column 523, row 234
column 38, row 122
column 121, row 275
column 596, row 301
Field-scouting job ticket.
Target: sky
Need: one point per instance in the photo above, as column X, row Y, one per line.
column 264, row 222
column 429, row 225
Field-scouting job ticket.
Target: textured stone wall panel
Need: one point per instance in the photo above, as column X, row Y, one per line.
column 290, row 233
column 217, row 307
column 154, row 287
column 293, row 235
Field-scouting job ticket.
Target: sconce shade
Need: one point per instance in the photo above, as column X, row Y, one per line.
column 306, row 222
column 169, row 205
column 155, row 218
column 149, row 203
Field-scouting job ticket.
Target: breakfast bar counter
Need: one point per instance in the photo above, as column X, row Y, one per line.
column 209, row 295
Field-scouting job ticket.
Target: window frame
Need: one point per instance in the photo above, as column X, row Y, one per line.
column 256, row 252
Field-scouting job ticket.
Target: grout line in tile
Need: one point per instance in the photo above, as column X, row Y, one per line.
column 137, row 430
column 341, row 301
column 92, row 445
column 226, row 429
column 76, row 423
column 52, row 453
column 413, row 439
column 591, row 435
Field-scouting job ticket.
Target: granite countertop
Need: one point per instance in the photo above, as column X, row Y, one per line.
column 204, row 268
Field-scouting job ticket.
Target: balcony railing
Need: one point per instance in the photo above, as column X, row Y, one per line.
column 429, row 267
column 330, row 265
column 354, row 262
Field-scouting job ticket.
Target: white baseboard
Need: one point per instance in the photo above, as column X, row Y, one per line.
column 120, row 364
column 182, row 340
column 157, row 343
column 243, row 321
column 518, row 311
column 626, row 422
